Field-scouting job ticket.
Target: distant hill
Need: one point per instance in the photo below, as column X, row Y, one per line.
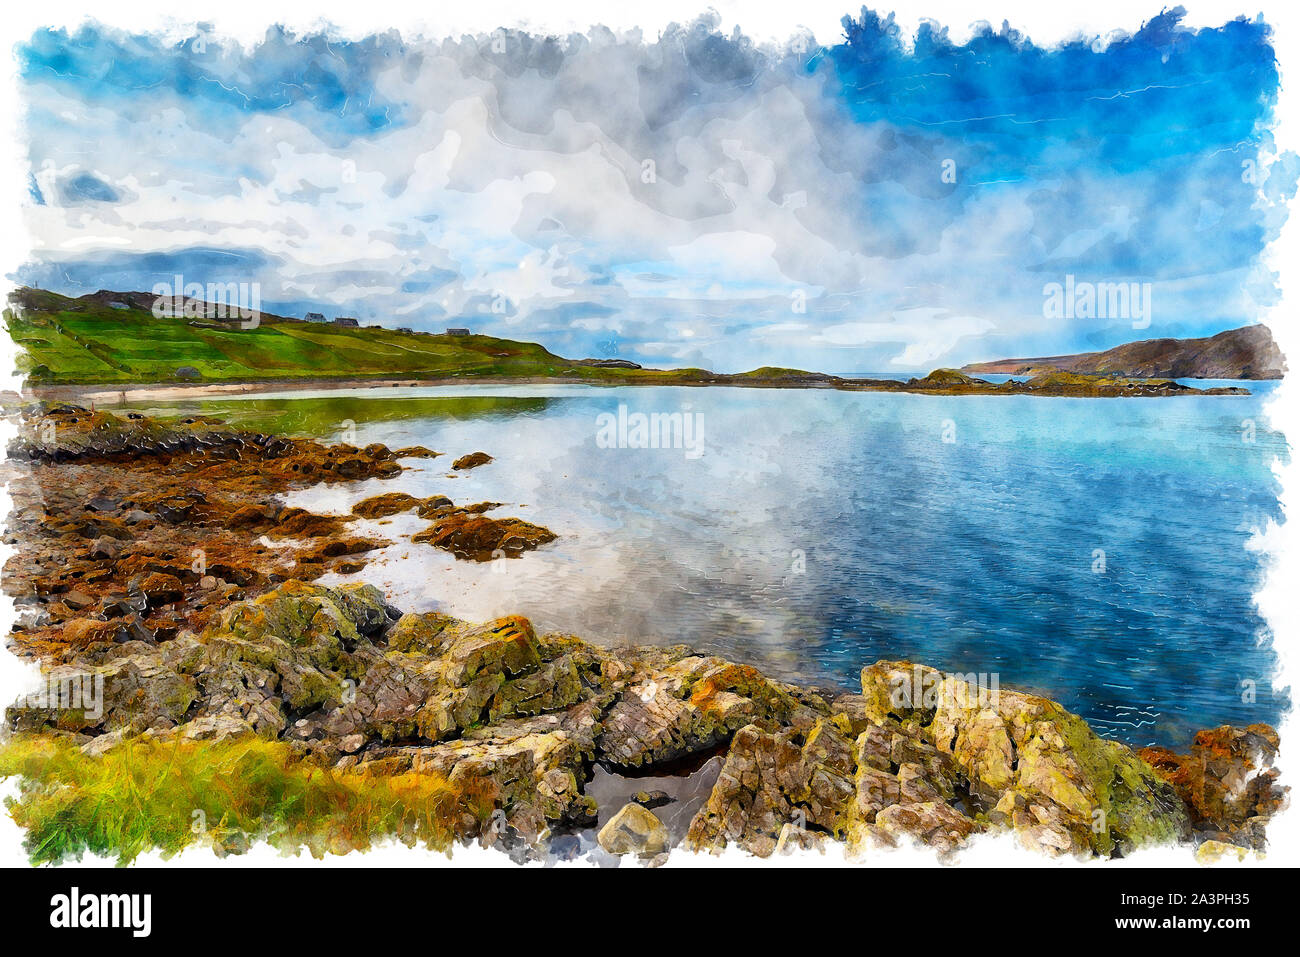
column 1245, row 353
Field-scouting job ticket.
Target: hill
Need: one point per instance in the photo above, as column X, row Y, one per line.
column 110, row 337
column 1245, row 353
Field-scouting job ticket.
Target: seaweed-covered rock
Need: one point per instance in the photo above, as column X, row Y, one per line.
column 471, row 461
column 467, row 533
column 1227, row 781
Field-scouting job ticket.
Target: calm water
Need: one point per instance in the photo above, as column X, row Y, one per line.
column 818, row 531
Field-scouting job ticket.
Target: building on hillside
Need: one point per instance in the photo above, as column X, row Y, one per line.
column 346, row 321
column 457, row 332
column 403, row 328
column 314, row 317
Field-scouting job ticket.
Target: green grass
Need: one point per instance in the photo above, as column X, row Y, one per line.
column 144, row 795
column 83, row 341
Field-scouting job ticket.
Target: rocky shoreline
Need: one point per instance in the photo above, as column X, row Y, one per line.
column 1044, row 384
column 523, row 726
column 130, row 527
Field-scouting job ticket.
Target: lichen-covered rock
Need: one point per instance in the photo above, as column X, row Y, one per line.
column 530, row 769
column 930, row 823
column 302, row 634
column 1031, row 764
column 516, row 722
column 419, row 633
column 771, row 780
column 132, row 693
column 692, row 705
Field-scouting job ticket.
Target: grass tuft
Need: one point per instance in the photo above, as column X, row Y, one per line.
column 144, row 795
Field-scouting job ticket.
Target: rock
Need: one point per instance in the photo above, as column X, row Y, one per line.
column 467, row 534
column 433, row 506
column 104, row 547
column 419, row 633
column 158, row 588
column 299, row 523
column 690, row 706
column 77, row 600
column 131, row 693
column 415, row 452
column 795, row 838
column 652, row 799
column 1030, row 763
column 634, row 830
column 516, row 721
column 769, row 781
column 1227, row 782
column 565, row 847
column 1214, row 852
column 84, row 632
column 390, row 503
column 122, row 605
column 931, row 823
column 473, row 460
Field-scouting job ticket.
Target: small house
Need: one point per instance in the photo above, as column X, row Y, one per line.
column 314, row 317
column 345, row 321
column 457, row 332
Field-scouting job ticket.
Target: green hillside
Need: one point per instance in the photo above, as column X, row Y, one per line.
column 86, row 340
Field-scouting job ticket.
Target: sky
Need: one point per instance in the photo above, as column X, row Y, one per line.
column 866, row 202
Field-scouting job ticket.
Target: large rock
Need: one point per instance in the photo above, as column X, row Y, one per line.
column 1228, row 781
column 634, row 830
column 1030, row 764
column 692, row 705
column 772, row 780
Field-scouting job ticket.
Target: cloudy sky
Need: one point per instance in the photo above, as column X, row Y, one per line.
column 853, row 203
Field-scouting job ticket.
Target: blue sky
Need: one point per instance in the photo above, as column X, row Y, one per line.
column 864, row 202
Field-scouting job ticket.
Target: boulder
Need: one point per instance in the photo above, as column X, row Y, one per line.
column 634, row 830
column 1227, row 782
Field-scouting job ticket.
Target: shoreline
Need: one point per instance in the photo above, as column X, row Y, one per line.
column 106, row 393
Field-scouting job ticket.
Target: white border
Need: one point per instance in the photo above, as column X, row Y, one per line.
column 763, row 20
